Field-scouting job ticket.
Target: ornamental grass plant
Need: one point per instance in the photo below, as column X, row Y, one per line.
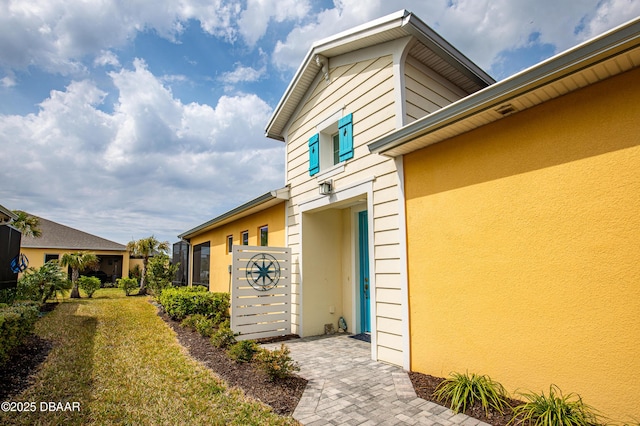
column 554, row 409
column 464, row 390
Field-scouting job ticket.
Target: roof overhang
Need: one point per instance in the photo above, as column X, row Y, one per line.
column 6, row 215
column 388, row 28
column 263, row 202
column 611, row 53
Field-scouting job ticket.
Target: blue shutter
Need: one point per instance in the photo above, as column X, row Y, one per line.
column 345, row 130
column 314, row 154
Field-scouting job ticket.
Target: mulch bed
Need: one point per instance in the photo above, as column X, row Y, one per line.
column 17, row 373
column 425, row 385
column 282, row 394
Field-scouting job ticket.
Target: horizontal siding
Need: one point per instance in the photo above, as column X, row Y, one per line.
column 389, row 325
column 389, row 310
column 388, row 251
column 364, row 89
column 387, row 281
column 392, row 356
column 389, row 340
column 389, row 295
column 426, row 92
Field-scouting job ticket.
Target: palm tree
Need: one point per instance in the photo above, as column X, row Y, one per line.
column 146, row 247
column 27, row 224
column 45, row 282
column 78, row 261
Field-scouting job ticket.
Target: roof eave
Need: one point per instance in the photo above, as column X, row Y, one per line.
column 589, row 53
column 276, row 196
column 6, row 214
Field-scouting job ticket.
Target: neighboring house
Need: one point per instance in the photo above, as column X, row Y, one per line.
column 259, row 222
column 58, row 239
column 467, row 225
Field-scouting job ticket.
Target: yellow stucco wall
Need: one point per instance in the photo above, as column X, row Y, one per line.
column 220, row 259
column 36, row 256
column 524, row 249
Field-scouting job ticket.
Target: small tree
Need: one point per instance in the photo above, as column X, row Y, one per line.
column 78, row 261
column 160, row 273
column 145, row 248
column 43, row 283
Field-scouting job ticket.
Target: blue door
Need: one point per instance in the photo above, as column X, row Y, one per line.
column 365, row 290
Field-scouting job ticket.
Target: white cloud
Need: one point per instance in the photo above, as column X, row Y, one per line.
column 255, row 19
column 610, row 14
column 56, row 34
column 105, row 58
column 8, row 80
column 481, row 29
column 153, row 161
column 242, row 74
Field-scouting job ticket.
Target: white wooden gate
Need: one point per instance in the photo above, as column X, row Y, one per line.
column 260, row 292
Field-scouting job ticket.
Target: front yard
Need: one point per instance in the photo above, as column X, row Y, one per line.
column 114, row 361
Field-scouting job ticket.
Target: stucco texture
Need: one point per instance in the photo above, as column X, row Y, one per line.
column 524, row 249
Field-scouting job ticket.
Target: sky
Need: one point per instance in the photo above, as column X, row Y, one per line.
column 127, row 119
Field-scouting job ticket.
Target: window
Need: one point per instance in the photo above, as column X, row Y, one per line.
column 336, row 149
column 244, row 237
column 201, row 264
column 229, row 243
column 48, row 257
column 264, row 235
column 332, row 145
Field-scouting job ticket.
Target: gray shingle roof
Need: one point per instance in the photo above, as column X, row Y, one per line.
column 55, row 235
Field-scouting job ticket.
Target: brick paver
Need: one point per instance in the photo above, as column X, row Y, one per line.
column 347, row 388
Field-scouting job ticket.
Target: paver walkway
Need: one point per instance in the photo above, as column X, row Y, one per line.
column 347, row 388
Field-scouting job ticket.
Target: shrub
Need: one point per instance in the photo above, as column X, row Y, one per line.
column 277, row 363
column 190, row 321
column 16, row 322
column 200, row 323
column 89, row 284
column 179, row 302
column 223, row 337
column 555, row 409
column 127, row 284
column 243, row 351
column 463, row 390
column 8, row 295
column 42, row 283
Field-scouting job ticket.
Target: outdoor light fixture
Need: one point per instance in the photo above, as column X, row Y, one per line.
column 326, row 187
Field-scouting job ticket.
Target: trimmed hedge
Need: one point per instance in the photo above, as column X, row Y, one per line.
column 16, row 322
column 179, row 302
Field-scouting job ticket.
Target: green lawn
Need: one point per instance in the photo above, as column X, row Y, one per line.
column 115, row 357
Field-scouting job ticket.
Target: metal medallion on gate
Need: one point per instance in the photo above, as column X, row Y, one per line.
column 263, row 272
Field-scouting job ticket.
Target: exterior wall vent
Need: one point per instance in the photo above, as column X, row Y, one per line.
column 506, row 109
